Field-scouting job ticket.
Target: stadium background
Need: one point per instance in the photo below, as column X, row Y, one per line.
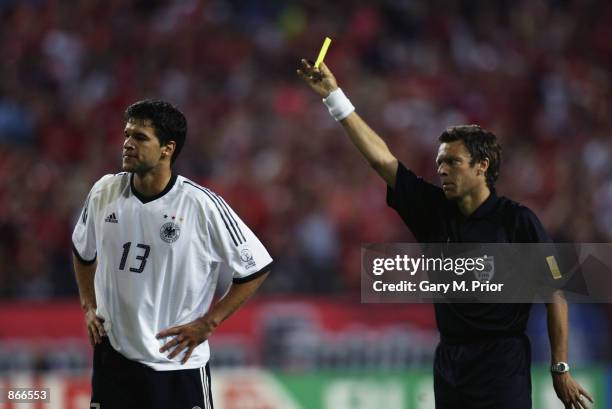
column 535, row 72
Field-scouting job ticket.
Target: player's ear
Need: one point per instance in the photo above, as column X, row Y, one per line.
column 168, row 149
column 483, row 165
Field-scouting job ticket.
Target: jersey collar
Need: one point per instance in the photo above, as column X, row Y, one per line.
column 147, row 199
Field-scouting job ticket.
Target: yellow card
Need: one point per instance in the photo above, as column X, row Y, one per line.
column 554, row 267
column 323, row 51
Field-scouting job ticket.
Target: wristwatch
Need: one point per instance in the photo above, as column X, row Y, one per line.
column 559, row 367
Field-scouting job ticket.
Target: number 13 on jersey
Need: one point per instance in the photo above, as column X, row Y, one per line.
column 142, row 257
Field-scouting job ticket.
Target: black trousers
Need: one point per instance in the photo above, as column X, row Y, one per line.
column 120, row 383
column 491, row 374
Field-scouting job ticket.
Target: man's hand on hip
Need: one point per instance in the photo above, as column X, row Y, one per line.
column 95, row 326
column 187, row 336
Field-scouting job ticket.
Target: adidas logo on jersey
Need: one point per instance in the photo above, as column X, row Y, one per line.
column 111, row 218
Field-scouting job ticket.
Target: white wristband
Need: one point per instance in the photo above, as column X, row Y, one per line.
column 338, row 104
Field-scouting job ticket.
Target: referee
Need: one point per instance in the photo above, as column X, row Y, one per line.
column 147, row 248
column 484, row 358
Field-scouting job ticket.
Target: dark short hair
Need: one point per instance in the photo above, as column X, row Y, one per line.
column 481, row 144
column 167, row 120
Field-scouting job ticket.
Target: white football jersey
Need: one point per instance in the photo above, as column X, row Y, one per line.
column 159, row 261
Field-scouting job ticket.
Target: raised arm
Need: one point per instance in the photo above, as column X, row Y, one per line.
column 372, row 147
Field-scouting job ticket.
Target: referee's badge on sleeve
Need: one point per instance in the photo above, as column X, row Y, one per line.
column 488, row 272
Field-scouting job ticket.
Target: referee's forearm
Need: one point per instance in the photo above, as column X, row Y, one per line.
column 558, row 330
column 84, row 274
column 371, row 146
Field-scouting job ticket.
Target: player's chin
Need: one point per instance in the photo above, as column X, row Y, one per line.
column 450, row 193
column 128, row 167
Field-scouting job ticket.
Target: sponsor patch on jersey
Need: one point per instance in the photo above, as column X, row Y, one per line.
column 170, row 232
column 247, row 258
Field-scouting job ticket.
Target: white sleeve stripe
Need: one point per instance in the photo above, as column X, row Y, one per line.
column 236, row 239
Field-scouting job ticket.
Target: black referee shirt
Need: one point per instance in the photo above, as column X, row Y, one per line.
column 434, row 219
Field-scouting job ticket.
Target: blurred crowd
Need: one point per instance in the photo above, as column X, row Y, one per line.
column 537, row 73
